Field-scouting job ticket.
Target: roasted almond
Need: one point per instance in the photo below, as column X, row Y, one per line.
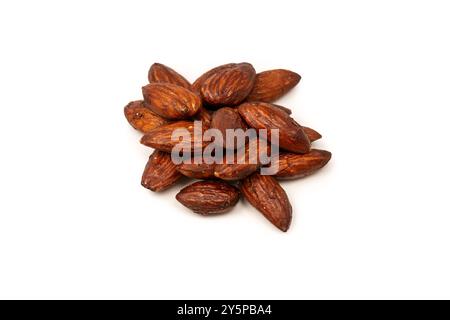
column 141, row 117
column 312, row 134
column 266, row 195
column 197, row 85
column 227, row 118
column 294, row 166
column 160, row 173
column 245, row 163
column 229, row 86
column 160, row 73
column 161, row 138
column 260, row 115
column 171, row 101
column 272, row 84
column 234, row 172
column 197, row 169
column 209, row 197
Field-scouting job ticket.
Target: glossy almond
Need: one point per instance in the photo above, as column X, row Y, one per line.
column 227, row 118
column 197, row 85
column 209, row 197
column 197, row 169
column 171, row 101
column 160, row 73
column 260, row 115
column 230, row 85
column 161, row 137
column 294, row 166
column 245, row 163
column 160, row 173
column 141, row 117
column 265, row 194
column 312, row 134
column 272, row 84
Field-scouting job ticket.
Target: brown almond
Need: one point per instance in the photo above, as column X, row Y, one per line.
column 229, row 86
column 160, row 173
column 312, row 134
column 294, row 166
column 209, row 197
column 160, row 73
column 161, row 138
column 141, row 117
column 245, row 163
column 197, row 169
column 272, row 84
column 197, row 85
column 171, row 101
column 260, row 115
column 227, row 118
column 265, row 194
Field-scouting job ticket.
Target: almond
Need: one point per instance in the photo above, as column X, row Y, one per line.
column 171, row 101
column 229, row 85
column 312, row 134
column 141, row 117
column 245, row 163
column 197, row 85
column 200, row 170
column 260, row 115
column 294, row 166
column 160, row 173
column 227, row 118
column 236, row 171
column 160, row 73
column 209, row 197
column 271, row 85
column 161, row 138
column 265, row 194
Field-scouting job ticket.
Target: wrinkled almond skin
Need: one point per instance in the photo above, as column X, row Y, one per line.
column 312, row 134
column 273, row 84
column 229, row 86
column 227, row 118
column 294, row 166
column 141, row 117
column 160, row 73
column 209, row 197
column 234, row 172
column 161, row 138
column 197, row 85
column 171, row 101
column 160, row 173
column 265, row 194
column 197, row 171
column 260, row 115
column 245, row 164
column 200, row 170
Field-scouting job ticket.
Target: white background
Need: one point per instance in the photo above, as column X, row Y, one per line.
column 75, row 222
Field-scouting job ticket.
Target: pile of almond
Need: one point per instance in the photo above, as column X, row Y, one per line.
column 231, row 96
